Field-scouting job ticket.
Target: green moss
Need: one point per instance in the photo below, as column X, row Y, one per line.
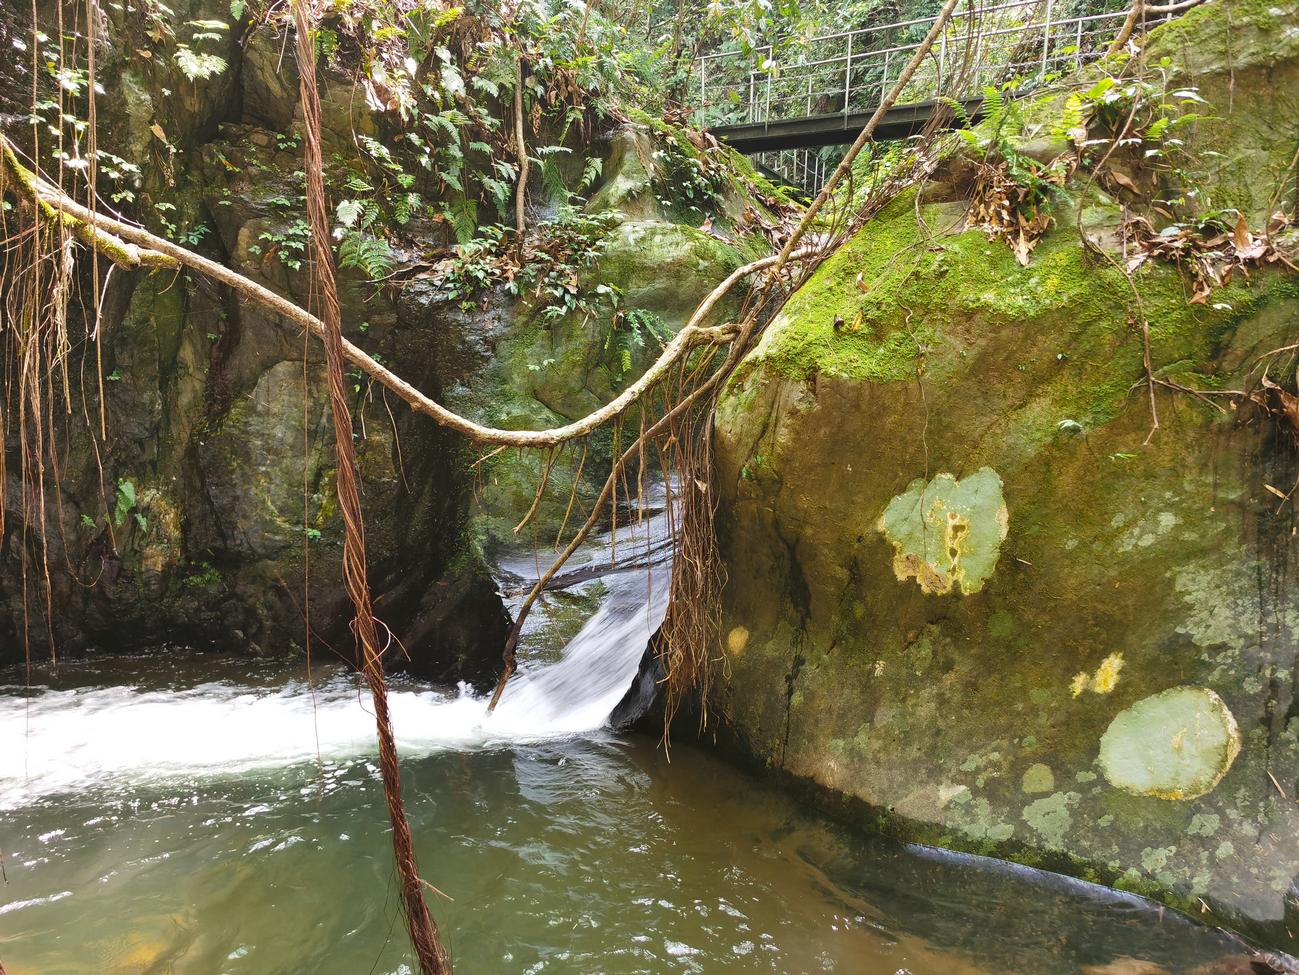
column 920, row 302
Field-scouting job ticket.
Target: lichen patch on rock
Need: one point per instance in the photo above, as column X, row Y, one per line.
column 1103, row 681
column 946, row 533
column 1177, row 744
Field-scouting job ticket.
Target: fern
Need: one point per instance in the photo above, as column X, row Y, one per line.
column 1071, row 116
column 500, row 190
column 590, row 173
column 994, row 105
column 464, row 218
column 629, row 333
column 619, row 345
column 404, row 205
column 552, row 181
column 370, row 255
column 198, row 65
column 959, row 114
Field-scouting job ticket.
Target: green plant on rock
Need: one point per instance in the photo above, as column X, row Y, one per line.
column 195, row 63
column 128, row 505
column 372, row 256
column 290, row 244
column 632, row 331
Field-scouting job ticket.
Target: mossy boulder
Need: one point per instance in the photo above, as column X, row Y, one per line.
column 1131, row 574
column 516, row 366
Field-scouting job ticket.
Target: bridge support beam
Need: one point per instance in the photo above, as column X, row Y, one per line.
column 814, row 131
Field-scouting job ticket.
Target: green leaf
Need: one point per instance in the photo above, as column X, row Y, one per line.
column 371, row 255
column 125, row 502
column 198, row 66
column 1097, row 90
column 349, row 211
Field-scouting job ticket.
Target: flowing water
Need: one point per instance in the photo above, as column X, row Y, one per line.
column 196, row 816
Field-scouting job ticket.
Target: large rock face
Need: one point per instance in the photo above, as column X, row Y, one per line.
column 219, row 435
column 208, row 515
column 963, row 589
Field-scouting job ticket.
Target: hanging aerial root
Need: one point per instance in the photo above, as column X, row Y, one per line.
column 663, row 424
column 429, row 951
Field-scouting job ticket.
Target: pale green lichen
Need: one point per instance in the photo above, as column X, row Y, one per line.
column 947, row 533
column 1051, row 817
column 1204, row 824
column 1177, row 744
column 1038, row 778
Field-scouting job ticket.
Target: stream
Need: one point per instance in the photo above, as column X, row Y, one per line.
column 187, row 814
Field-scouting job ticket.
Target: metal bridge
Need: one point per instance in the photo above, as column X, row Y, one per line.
column 820, row 92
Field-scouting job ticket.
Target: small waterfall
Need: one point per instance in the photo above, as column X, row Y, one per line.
column 581, row 690
column 121, row 736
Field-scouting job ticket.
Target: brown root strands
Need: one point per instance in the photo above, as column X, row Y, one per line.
column 430, row 953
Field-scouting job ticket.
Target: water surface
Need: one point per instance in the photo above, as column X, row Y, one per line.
column 196, row 817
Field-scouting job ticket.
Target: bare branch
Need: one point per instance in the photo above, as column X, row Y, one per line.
column 158, row 249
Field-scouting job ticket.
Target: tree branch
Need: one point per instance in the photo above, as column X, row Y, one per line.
column 120, row 252
column 105, row 230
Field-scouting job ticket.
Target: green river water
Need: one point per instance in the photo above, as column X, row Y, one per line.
column 194, row 816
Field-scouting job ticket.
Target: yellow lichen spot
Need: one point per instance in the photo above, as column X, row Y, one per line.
column 1103, row 681
column 1107, row 674
column 737, row 640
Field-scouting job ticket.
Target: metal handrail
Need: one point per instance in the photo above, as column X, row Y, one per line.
column 960, row 14
column 763, row 96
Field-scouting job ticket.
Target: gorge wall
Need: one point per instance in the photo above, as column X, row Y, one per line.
column 967, row 601
column 209, row 506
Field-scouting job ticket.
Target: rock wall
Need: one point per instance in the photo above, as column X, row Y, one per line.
column 967, row 598
column 219, row 437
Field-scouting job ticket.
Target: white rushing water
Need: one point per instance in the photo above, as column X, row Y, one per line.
column 58, row 741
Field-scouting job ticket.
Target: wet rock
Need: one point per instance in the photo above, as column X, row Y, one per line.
column 1133, row 591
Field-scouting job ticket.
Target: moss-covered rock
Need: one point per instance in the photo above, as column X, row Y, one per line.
column 214, row 422
column 521, row 368
column 973, row 716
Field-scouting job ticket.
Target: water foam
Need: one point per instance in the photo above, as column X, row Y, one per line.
column 59, row 741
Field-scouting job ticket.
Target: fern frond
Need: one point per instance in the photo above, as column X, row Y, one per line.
column 590, row 173
column 552, row 181
column 370, row 255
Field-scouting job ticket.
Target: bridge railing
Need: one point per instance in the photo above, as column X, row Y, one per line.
column 849, row 72
column 804, row 169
